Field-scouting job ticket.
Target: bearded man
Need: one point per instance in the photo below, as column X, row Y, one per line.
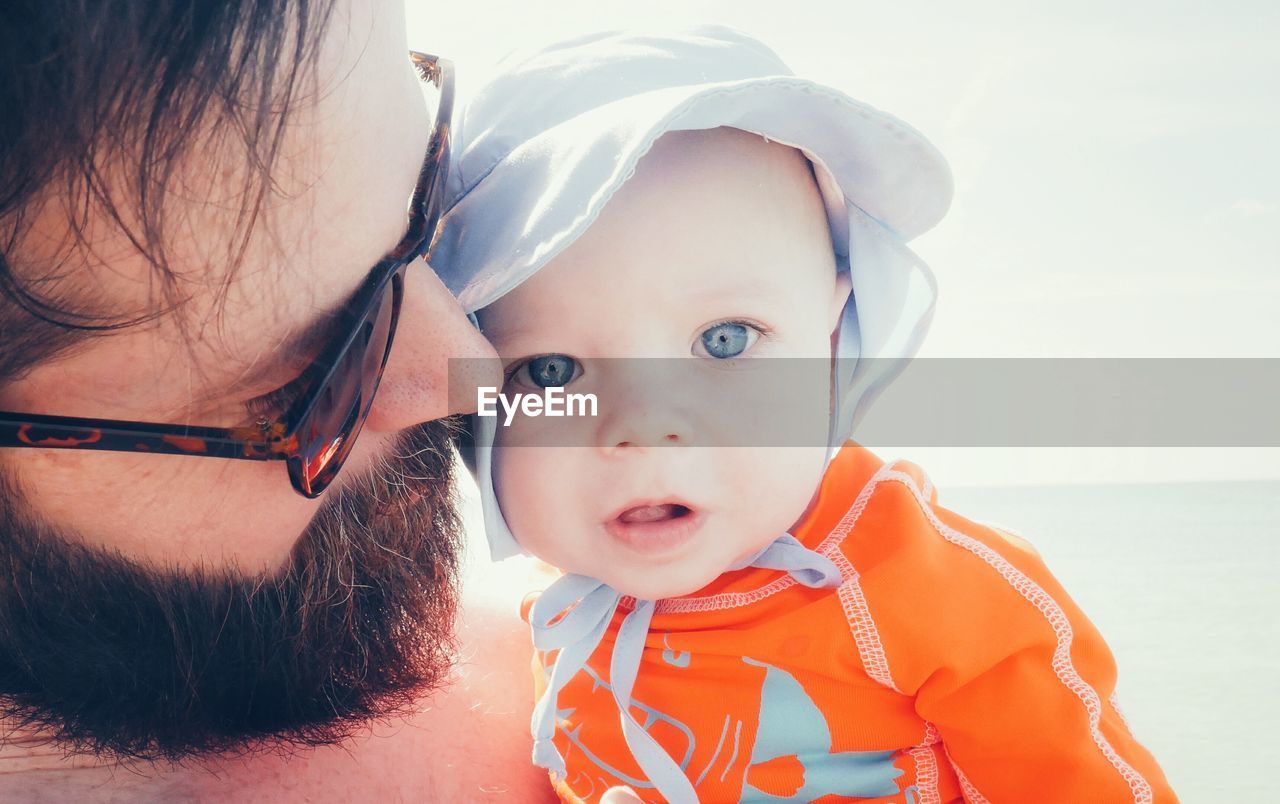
column 227, row 569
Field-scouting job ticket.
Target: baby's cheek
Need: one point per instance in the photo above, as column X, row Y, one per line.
column 775, row 485
column 516, row 482
column 536, row 491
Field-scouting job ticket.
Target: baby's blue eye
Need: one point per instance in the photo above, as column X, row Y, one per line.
column 726, row 340
column 551, row 371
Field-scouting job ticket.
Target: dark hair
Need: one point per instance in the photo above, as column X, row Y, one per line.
column 90, row 86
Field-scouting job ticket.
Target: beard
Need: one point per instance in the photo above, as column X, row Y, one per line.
column 107, row 656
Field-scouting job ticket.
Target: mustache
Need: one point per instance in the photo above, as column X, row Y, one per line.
column 115, row 658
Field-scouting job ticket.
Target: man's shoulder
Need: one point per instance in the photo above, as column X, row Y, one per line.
column 479, row 723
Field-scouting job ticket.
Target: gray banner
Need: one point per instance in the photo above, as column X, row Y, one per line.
column 1069, row 402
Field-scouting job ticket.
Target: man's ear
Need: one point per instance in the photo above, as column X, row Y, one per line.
column 844, row 286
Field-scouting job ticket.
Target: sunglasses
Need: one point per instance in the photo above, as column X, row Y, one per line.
column 315, row 434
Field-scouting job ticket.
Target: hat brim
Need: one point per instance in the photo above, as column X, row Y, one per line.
column 545, row 192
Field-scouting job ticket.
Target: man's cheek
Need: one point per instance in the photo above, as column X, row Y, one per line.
column 169, row 511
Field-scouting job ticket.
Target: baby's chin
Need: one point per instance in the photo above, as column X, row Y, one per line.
column 679, row 579
column 657, row 584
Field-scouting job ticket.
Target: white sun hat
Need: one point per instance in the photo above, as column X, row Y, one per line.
column 543, row 146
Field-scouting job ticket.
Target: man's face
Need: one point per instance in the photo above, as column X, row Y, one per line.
column 237, row 607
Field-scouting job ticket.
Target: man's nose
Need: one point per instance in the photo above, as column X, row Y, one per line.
column 437, row 361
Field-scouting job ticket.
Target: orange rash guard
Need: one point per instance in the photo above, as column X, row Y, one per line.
column 948, row 666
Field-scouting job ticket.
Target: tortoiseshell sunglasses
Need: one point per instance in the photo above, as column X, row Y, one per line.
column 316, row 432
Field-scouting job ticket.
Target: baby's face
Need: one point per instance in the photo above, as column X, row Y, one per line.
column 715, row 256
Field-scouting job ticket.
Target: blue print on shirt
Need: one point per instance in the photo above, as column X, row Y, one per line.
column 792, row 725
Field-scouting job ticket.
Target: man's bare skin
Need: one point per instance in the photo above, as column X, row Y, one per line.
column 469, row 742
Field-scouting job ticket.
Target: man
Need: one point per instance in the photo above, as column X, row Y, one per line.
column 192, row 197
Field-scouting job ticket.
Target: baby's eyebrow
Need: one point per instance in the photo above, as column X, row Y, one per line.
column 754, row 288
column 502, row 338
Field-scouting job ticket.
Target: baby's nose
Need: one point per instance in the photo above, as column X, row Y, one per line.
column 644, row 427
column 646, row 403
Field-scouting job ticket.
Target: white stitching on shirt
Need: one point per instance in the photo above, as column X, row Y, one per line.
column 927, row 766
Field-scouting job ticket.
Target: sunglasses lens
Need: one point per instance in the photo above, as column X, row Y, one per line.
column 329, row 431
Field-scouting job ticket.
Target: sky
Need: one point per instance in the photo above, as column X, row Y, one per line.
column 1115, row 166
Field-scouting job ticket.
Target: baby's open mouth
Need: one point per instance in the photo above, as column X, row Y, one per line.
column 654, row 513
column 654, row 527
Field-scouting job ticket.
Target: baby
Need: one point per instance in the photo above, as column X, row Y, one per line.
column 741, row 621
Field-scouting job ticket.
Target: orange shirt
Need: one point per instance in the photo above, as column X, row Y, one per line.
column 949, row 665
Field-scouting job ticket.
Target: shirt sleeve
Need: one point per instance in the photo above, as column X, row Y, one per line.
column 1016, row 681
